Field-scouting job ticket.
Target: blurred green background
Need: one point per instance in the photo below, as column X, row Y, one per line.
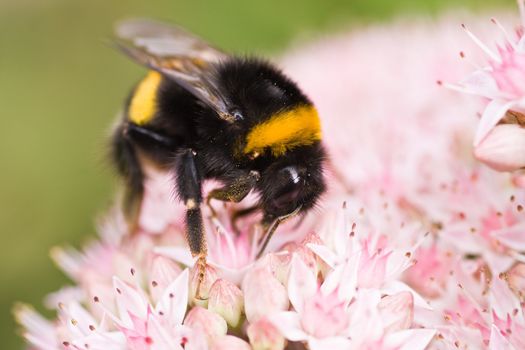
column 60, row 88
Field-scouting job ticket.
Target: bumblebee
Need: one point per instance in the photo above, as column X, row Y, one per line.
column 202, row 114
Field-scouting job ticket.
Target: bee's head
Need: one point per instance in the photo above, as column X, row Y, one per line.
column 279, row 134
column 292, row 181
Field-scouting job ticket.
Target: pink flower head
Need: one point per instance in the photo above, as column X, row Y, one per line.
column 358, row 323
column 502, row 83
column 509, row 70
column 312, row 308
column 408, row 211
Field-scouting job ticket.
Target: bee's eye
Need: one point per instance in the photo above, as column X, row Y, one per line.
column 288, row 194
column 286, row 199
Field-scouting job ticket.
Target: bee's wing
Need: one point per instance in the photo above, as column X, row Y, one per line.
column 179, row 55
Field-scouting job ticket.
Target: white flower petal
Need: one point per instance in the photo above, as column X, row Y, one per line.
column 174, row 300
column 38, row 331
column 332, row 343
column 332, row 280
column 163, row 339
column 324, row 253
column 513, row 237
column 129, row 300
column 78, row 319
column 502, row 299
column 349, row 277
column 481, row 83
column 410, row 339
column 521, row 43
column 395, row 287
column 179, row 254
column 498, row 341
column 69, row 260
column 493, row 113
column 301, row 284
column 232, row 274
column 102, row 341
column 65, row 295
column 289, row 324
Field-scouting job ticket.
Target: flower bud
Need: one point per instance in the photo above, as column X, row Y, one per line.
column 163, row 272
column 503, row 147
column 263, row 294
column 518, row 179
column 226, row 299
column 278, row 264
column 264, row 336
column 210, row 277
column 229, row 342
column 397, row 311
column 207, row 322
column 307, row 256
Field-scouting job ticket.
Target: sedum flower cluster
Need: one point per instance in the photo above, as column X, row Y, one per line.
column 416, row 245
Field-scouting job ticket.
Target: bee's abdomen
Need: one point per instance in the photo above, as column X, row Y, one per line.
column 144, row 102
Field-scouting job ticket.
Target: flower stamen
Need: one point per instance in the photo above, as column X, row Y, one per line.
column 481, row 45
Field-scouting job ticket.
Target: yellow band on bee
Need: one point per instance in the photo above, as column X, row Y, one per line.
column 143, row 105
column 286, row 130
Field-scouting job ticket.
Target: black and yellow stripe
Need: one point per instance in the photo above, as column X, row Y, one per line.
column 144, row 104
column 299, row 126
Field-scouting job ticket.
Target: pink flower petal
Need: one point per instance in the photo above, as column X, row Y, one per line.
column 289, row 324
column 301, row 284
column 513, row 237
column 163, row 272
column 226, row 299
column 498, row 341
column 206, row 323
column 410, row 339
column 264, row 295
column 349, row 277
column 230, row 342
column 503, row 148
column 394, row 287
column 324, row 253
column 397, row 311
column 332, row 343
column 502, row 299
column 38, row 331
column 129, row 300
column 493, row 113
column 174, row 300
column 179, row 254
column 102, row 340
column 481, row 83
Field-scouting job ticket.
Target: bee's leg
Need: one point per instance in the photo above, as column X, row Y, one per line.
column 234, row 191
column 128, row 165
column 188, row 180
column 127, row 140
column 270, row 226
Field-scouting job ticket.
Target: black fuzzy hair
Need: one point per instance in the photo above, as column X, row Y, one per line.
column 257, row 88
